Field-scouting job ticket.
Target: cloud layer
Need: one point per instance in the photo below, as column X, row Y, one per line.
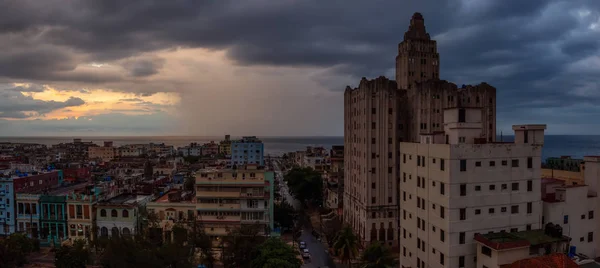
column 541, row 55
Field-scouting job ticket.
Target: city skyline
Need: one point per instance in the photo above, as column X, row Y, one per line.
column 188, row 68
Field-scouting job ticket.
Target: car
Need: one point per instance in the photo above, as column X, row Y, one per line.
column 305, row 255
column 302, row 245
column 305, row 250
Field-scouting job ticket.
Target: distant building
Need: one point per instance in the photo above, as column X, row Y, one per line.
column 104, row 153
column 248, row 150
column 28, row 214
column 225, row 146
column 210, row 149
column 174, row 207
column 194, row 149
column 7, row 203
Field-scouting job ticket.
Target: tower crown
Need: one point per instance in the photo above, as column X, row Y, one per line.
column 416, row 29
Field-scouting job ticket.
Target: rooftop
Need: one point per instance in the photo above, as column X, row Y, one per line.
column 165, row 198
column 555, row 260
column 504, row 240
column 126, row 199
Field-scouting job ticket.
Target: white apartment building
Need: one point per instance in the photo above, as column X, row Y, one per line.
column 575, row 209
column 455, row 184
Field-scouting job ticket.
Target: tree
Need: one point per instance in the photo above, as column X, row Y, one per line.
column 275, row 253
column 377, row 255
column 199, row 239
column 189, row 183
column 76, row 255
column 239, row 246
column 14, row 250
column 306, row 185
column 285, row 215
column 346, row 245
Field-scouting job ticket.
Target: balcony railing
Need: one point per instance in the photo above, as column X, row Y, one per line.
column 219, row 218
column 217, row 194
column 217, row 206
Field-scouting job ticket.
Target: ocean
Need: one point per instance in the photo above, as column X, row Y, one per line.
column 576, row 146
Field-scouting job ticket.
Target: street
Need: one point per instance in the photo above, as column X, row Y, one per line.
column 318, row 254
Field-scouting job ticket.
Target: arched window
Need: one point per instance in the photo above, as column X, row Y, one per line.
column 102, row 213
column 125, row 232
column 104, row 230
column 114, row 213
column 114, row 232
column 125, row 213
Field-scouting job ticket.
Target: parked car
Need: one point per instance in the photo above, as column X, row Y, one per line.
column 305, row 253
column 302, row 245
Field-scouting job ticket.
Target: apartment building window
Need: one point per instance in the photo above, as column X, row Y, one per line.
column 442, row 164
column 491, row 211
column 477, row 188
column 373, row 200
column 442, row 188
column 373, row 141
column 373, row 111
column 461, row 261
column 463, row 214
column 504, row 186
column 442, row 235
column 423, row 161
column 514, row 209
column 404, row 158
column 442, row 258
column 486, row 251
column 390, row 110
column 373, row 170
column 463, row 189
column 529, row 185
column 529, row 162
column 504, row 162
column 461, row 115
column 514, row 230
column 390, row 170
column 389, row 140
column 492, row 187
column 373, row 155
column 463, row 165
column 515, row 186
column 503, row 209
column 462, row 140
column 418, row 160
column 583, row 216
column 390, row 199
column 515, row 163
column 478, row 163
column 372, row 185
column 373, row 125
column 591, row 214
column 461, row 238
column 389, row 154
column 528, row 227
column 418, row 181
column 492, row 163
column 566, row 219
column 477, row 211
column 418, row 202
column 530, row 208
column 442, row 212
column 590, row 237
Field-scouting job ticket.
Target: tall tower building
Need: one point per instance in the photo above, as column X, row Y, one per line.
column 417, row 59
column 370, row 156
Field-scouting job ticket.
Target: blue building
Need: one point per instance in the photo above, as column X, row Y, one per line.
column 7, row 206
column 248, row 150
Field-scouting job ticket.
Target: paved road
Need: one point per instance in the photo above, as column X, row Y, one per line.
column 319, row 256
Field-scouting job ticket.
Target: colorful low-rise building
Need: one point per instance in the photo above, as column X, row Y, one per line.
column 81, row 215
column 174, row 207
column 119, row 215
column 28, row 214
column 247, row 150
column 225, row 146
column 7, row 208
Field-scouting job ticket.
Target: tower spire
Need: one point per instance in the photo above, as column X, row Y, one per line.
column 416, row 29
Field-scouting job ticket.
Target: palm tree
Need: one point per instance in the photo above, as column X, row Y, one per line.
column 377, row 255
column 346, row 245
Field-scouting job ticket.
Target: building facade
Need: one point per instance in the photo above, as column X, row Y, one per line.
column 456, row 184
column 230, row 198
column 28, row 214
column 81, row 214
column 53, row 219
column 370, row 156
column 248, row 150
column 104, row 153
column 119, row 215
column 7, row 206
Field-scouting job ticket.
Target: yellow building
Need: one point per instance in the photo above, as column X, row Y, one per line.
column 106, row 154
column 81, row 215
column 173, row 208
column 230, row 198
column 225, row 146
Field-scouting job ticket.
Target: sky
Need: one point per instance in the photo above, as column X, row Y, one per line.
column 279, row 68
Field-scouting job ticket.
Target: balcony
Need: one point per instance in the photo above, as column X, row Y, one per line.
column 217, row 194
column 2, row 206
column 251, row 195
column 204, row 218
column 217, row 206
column 2, row 192
column 239, row 180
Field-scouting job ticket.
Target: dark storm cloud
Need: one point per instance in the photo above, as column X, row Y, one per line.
column 14, row 104
column 523, row 48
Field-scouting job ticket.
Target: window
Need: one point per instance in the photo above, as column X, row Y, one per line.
column 477, row 211
column 529, row 162
column 442, row 212
column 486, row 251
column 528, row 227
column 404, row 158
column 566, row 219
column 583, row 216
column 491, row 211
column 418, row 160
column 442, row 188
column 590, row 236
column 442, row 235
column 442, row 258
column 477, row 188
column 442, row 164
column 125, row 213
column 515, row 163
column 478, row 163
column 373, row 170
column 372, row 185
column 515, row 186
column 529, row 185
column 461, row 261
column 373, row 141
column 463, row 189
column 591, row 214
column 463, row 165
column 492, row 187
column 373, row 111
column 530, row 208
column 504, row 186
column 373, row 200
column 114, row 213
column 373, row 125
column 463, row 214
column 514, row 209
column 503, row 209
column 373, row 155
column 389, row 154
column 102, row 213
column 461, row 115
column 390, row 170
column 461, row 238
column 492, row 163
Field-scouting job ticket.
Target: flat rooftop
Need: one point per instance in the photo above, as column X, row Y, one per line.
column 126, row 199
column 165, row 198
column 504, row 240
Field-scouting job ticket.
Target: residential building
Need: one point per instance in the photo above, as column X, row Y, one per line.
column 53, row 213
column 7, row 206
column 194, row 149
column 225, row 146
column 230, row 198
column 370, row 156
column 81, row 215
column 334, row 179
column 37, row 180
column 104, row 153
column 247, row 150
column 131, row 150
column 28, row 214
column 565, row 163
column 73, row 151
column 210, row 149
column 503, row 249
column 456, row 184
column 574, row 209
column 316, row 158
column 174, row 207
column 119, row 215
